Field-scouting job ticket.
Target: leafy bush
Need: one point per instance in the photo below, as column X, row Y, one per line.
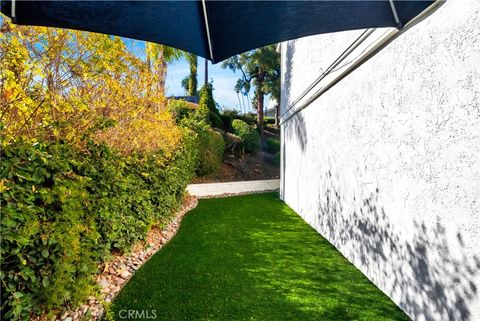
column 251, row 138
column 215, row 120
column 276, row 159
column 147, row 132
column 64, row 210
column 231, row 113
column 227, row 122
column 180, row 109
column 208, row 143
column 252, row 141
column 269, row 120
column 273, row 145
column 199, row 119
column 227, row 117
column 90, row 76
column 250, row 118
column 241, row 128
column 212, row 147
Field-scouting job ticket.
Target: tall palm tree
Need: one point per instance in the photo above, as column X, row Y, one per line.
column 158, row 57
column 192, row 78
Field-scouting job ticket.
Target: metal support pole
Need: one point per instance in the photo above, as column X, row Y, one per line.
column 13, row 12
column 395, row 15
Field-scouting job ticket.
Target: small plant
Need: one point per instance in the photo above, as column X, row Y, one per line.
column 241, row 128
column 227, row 117
column 250, row 118
column 251, row 138
column 215, row 120
column 273, row 145
column 276, row 159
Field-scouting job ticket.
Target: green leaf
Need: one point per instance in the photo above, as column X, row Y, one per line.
column 46, row 281
column 38, row 175
column 45, row 253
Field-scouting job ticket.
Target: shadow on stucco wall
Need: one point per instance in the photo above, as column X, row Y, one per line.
column 287, row 80
column 296, row 124
column 428, row 287
column 295, row 128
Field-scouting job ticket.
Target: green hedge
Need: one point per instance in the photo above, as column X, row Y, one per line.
column 251, row 138
column 211, row 147
column 180, row 109
column 48, row 235
column 207, row 142
column 64, row 211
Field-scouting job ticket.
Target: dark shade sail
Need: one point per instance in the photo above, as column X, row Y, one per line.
column 215, row 30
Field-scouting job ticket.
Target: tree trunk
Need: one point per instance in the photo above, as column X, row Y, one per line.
column 162, row 72
column 149, row 78
column 260, row 99
column 206, row 72
column 277, row 115
column 192, row 80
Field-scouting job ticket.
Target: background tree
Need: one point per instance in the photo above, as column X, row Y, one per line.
column 207, row 101
column 192, row 78
column 273, row 88
column 260, row 68
column 158, row 58
column 190, row 82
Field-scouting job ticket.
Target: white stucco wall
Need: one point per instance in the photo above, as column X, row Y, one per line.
column 386, row 164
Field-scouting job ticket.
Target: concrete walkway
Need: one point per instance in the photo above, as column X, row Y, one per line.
column 233, row 188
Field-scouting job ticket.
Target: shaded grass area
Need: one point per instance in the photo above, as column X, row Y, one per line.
column 251, row 258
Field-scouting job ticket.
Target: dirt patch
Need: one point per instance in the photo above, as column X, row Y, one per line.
column 251, row 167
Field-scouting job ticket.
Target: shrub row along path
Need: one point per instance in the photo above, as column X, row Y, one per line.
column 250, row 258
column 232, row 188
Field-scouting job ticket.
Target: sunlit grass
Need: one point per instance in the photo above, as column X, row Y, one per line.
column 252, row 258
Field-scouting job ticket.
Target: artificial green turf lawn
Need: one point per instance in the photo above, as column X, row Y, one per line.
column 251, row 258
